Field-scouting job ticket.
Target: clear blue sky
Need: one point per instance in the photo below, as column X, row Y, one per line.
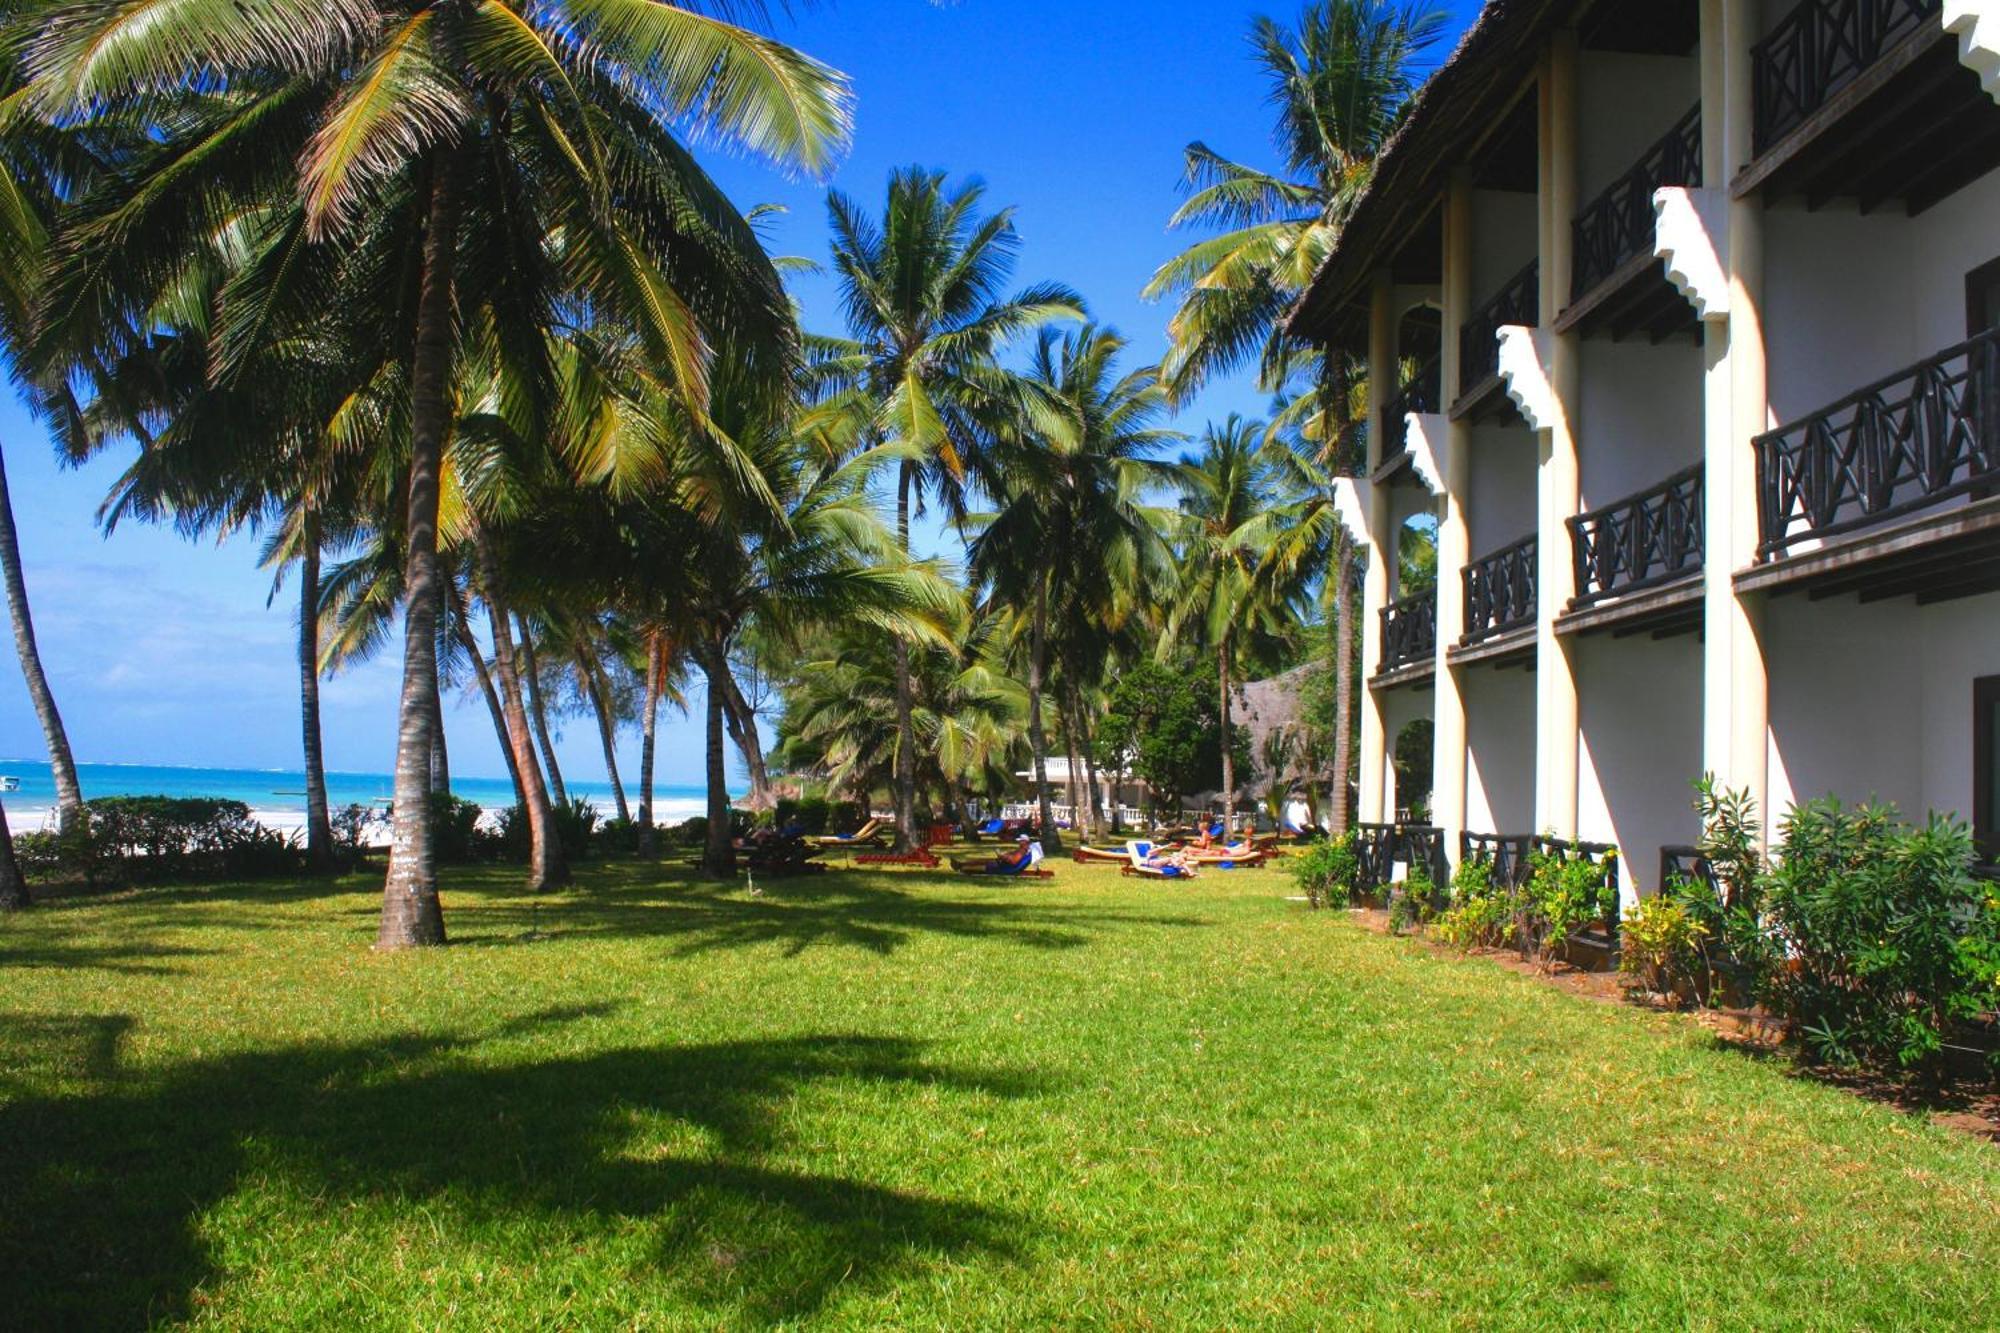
column 163, row 652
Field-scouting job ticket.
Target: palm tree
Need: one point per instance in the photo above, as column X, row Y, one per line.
column 35, row 158
column 922, row 292
column 1341, row 81
column 521, row 153
column 1071, row 532
column 1228, row 601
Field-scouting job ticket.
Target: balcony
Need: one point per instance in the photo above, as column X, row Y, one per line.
column 1616, row 283
column 1518, row 302
column 1820, row 48
column 1636, row 560
column 1409, row 637
column 1500, row 591
column 1866, row 100
column 1895, row 476
column 1419, row 396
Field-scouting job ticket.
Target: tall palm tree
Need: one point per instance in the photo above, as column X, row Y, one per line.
column 1227, row 602
column 523, row 155
column 1071, row 530
column 1340, row 80
column 922, row 292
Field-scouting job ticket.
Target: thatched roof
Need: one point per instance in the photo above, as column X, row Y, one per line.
column 1265, row 706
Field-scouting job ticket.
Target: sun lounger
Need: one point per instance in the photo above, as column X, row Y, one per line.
column 868, row 835
column 1032, row 868
column 1138, row 861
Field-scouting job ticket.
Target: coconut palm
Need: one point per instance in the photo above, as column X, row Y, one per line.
column 1341, row 81
column 923, row 295
column 523, row 154
column 1071, row 532
column 1229, row 601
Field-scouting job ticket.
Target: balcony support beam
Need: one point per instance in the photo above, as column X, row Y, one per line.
column 1735, row 410
column 1448, row 734
column 1376, row 791
column 1557, row 738
column 1976, row 23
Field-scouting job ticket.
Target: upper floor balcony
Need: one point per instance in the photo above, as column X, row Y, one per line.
column 1638, row 560
column 1617, row 286
column 1888, row 490
column 1409, row 637
column 1500, row 604
column 1517, row 302
column 1868, row 100
column 1419, row 396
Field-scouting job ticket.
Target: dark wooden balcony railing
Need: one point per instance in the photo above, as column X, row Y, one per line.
column 1506, row 853
column 1641, row 540
column 1512, row 858
column 1419, row 395
column 1618, row 224
column 1409, row 630
column 1379, row 846
column 1818, row 49
column 1500, row 590
column 1518, row 302
column 1912, row 440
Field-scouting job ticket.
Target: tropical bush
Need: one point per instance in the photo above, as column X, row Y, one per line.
column 1327, row 872
column 456, row 838
column 1660, row 944
column 1481, row 914
column 807, row 814
column 1879, row 938
column 1565, row 892
column 351, row 826
column 1413, row 902
column 159, row 839
column 575, row 823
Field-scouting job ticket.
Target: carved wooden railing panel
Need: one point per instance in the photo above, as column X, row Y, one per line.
column 1821, row 47
column 1506, row 853
column 1688, row 863
column 1518, row 302
column 1618, row 224
column 1375, row 853
column 1907, row 442
column 1500, row 590
column 1409, row 630
column 1641, row 540
column 1419, row 395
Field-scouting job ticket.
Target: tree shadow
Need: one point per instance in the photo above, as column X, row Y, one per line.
column 131, row 957
column 107, row 1190
column 834, row 909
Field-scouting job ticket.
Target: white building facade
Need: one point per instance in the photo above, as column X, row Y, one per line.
column 1681, row 319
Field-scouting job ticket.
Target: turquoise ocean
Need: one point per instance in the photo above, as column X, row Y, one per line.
column 278, row 796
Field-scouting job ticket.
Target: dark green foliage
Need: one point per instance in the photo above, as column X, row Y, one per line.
column 806, row 814
column 159, row 839
column 575, row 823
column 1482, row 914
column 1327, row 872
column 1413, row 902
column 456, row 838
column 1565, row 892
column 616, row 837
column 1876, row 931
column 1165, row 717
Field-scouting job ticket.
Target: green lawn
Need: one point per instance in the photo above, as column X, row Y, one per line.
column 902, row 1098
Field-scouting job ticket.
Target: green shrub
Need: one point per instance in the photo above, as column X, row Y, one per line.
column 456, row 838
column 159, row 839
column 1565, row 892
column 616, row 837
column 1327, row 872
column 1413, row 902
column 1660, row 943
column 807, row 814
column 1481, row 914
column 351, row 826
column 1878, row 934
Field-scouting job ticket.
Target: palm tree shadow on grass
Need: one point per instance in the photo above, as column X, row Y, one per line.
column 798, row 914
column 110, row 1188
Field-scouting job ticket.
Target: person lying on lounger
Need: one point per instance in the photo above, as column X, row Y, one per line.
column 1018, row 859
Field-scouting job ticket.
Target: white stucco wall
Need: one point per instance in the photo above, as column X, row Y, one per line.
column 1639, row 705
column 1640, row 416
column 1500, row 750
column 1626, row 103
column 1875, row 700
column 1851, row 298
column 1501, row 505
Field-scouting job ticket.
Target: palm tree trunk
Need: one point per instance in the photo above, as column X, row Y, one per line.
column 411, row 913
column 1089, row 763
column 319, row 823
column 1338, row 811
column 1038, row 633
column 62, row 763
column 1228, row 758
column 493, row 707
column 440, row 752
column 1077, row 819
column 548, row 864
column 906, row 732
column 656, row 670
column 594, row 683
column 742, row 720
column 13, row 885
column 532, row 672
column 719, row 858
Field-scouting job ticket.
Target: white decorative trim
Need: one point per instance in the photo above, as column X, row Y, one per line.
column 1428, row 442
column 1525, row 354
column 1689, row 235
column 1977, row 24
column 1350, row 507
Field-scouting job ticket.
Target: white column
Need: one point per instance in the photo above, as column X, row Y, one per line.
column 1448, row 765
column 1735, row 744
column 1375, row 586
column 1556, row 738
